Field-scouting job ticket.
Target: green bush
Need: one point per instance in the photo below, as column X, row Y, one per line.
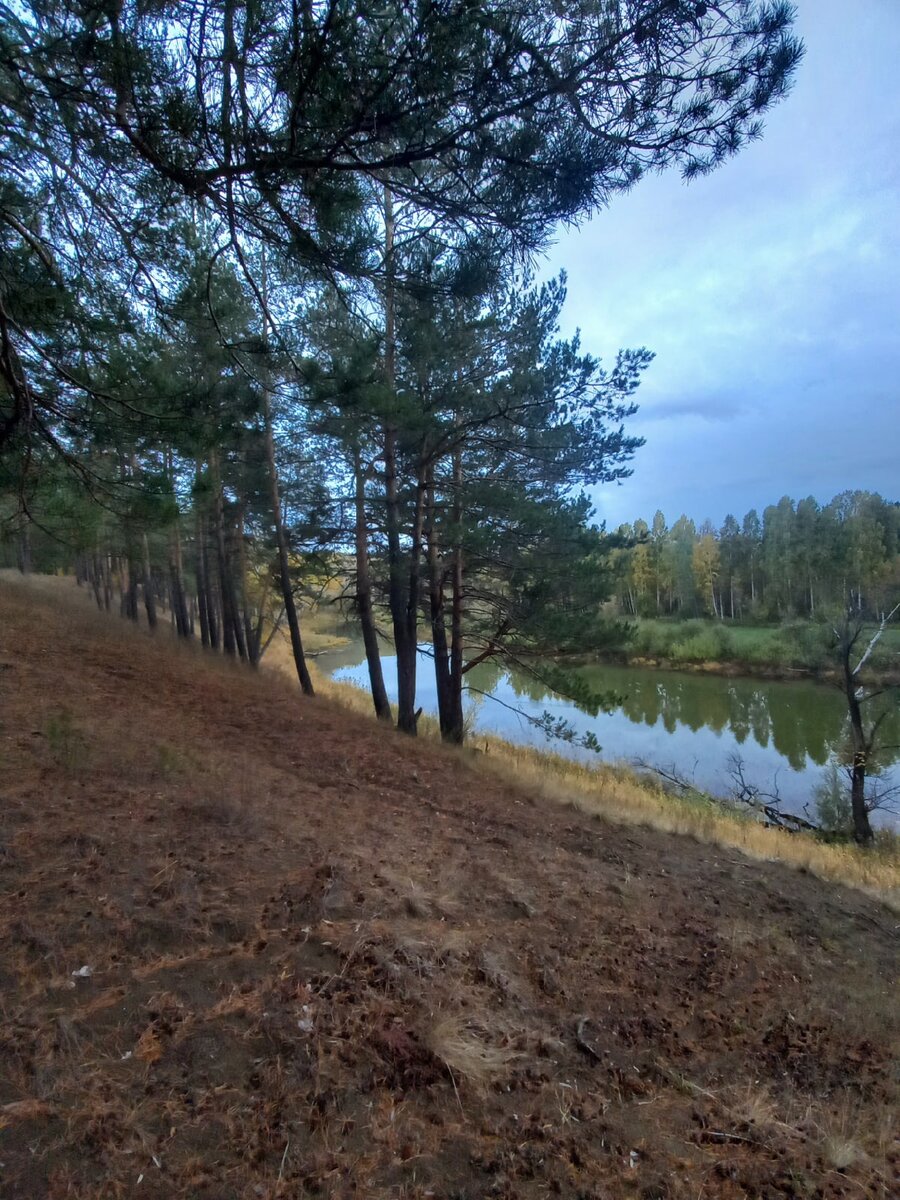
column 708, row 644
column 654, row 639
column 807, row 645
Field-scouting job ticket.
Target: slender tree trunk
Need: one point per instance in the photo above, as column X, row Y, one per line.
column 23, row 548
column 215, row 600
column 232, row 630
column 130, row 591
column 176, row 568
column 176, row 574
column 107, row 582
column 205, row 593
column 257, row 633
column 248, row 624
column 438, row 620
column 202, row 582
column 147, row 581
column 284, row 565
column 398, row 598
column 862, row 829
column 415, row 578
column 225, row 608
column 96, row 579
column 457, row 729
column 364, row 596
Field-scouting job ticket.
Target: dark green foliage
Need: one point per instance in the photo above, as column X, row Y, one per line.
column 264, row 300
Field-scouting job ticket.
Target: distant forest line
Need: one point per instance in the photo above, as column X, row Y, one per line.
column 799, row 559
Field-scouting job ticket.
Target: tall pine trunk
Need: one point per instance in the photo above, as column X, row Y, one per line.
column 364, row 595
column 250, row 640
column 147, row 582
column 398, row 597
column 232, row 630
column 96, row 573
column 457, row 729
column 209, row 626
column 862, row 829
column 107, row 581
column 200, row 572
column 436, row 580
column 284, row 565
column 176, row 576
column 130, row 589
column 23, row 548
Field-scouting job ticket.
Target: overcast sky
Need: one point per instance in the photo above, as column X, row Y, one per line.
column 770, row 292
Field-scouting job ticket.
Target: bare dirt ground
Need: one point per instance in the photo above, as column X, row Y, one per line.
column 258, row 947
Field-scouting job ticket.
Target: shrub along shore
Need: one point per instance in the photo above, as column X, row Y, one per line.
column 798, row 649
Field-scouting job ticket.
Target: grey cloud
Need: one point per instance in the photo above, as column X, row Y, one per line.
column 769, row 291
column 706, row 408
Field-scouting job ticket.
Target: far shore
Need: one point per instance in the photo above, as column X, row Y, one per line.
column 733, row 669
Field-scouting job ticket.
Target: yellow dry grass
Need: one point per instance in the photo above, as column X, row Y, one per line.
column 467, row 1049
column 617, row 794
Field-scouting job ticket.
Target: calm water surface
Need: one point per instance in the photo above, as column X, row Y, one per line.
column 786, row 733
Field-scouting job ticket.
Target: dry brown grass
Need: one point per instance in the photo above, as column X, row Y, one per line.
column 324, row 955
column 617, row 794
column 612, row 792
column 470, row 1049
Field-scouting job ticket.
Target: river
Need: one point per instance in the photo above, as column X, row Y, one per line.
column 786, row 733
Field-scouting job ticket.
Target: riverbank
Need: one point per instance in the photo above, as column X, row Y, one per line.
column 798, row 650
column 620, row 794
column 793, row 651
column 732, row 669
column 259, row 945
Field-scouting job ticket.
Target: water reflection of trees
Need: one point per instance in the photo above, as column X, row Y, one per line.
column 798, row 720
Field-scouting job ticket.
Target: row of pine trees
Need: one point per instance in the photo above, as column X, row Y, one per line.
column 267, row 310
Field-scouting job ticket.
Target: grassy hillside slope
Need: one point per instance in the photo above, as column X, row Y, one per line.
column 258, row 947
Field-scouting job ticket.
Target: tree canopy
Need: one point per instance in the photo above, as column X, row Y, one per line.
column 267, row 305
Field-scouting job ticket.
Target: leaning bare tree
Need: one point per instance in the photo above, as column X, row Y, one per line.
column 849, row 646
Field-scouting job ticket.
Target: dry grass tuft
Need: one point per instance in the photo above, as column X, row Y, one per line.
column 66, row 743
column 467, row 1048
